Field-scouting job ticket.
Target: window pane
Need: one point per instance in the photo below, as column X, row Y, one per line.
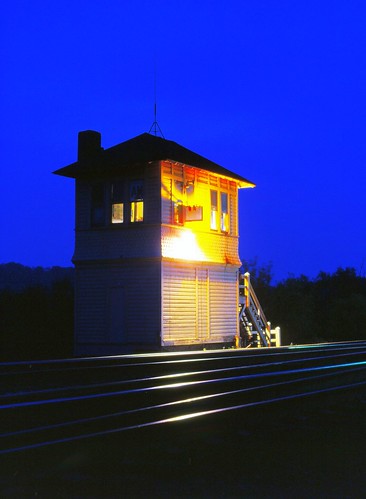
column 137, row 211
column 97, row 213
column 97, row 217
column 224, row 212
column 178, row 213
column 117, row 192
column 214, row 212
column 214, row 199
column 136, row 198
column 136, row 190
column 117, row 213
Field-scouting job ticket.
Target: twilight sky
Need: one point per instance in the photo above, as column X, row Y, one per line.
column 273, row 90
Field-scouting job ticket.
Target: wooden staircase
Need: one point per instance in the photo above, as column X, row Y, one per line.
column 255, row 330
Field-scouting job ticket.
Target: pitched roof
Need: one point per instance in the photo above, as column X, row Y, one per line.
column 141, row 150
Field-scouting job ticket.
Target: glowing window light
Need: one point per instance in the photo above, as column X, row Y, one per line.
column 182, row 246
column 117, row 213
column 214, row 210
column 137, row 203
column 224, row 225
column 137, row 211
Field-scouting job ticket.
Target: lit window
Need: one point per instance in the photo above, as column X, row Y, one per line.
column 224, row 222
column 178, row 209
column 214, row 212
column 137, row 211
column 117, row 203
column 97, row 214
column 178, row 213
column 137, row 201
column 117, row 213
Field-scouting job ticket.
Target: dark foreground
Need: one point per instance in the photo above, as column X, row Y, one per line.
column 313, row 447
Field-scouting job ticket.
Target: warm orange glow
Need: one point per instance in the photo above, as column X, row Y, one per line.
column 183, row 246
column 137, row 211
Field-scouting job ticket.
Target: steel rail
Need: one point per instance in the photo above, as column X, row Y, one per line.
column 173, row 419
column 177, row 402
column 284, row 363
column 173, row 386
column 203, row 356
column 275, row 381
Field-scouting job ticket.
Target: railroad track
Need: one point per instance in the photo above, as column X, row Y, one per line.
column 52, row 402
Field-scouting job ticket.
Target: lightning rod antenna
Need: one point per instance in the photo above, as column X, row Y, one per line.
column 155, row 128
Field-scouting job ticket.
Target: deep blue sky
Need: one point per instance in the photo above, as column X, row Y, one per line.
column 273, row 90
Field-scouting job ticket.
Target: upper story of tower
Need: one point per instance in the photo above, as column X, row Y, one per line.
column 152, row 198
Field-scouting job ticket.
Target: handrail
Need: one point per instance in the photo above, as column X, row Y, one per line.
column 250, row 295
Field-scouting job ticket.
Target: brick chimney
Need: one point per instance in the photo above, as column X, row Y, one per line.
column 89, row 145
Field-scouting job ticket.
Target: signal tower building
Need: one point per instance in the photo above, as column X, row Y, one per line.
column 156, row 247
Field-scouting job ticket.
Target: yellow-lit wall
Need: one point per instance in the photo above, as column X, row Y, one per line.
column 199, row 304
column 195, row 240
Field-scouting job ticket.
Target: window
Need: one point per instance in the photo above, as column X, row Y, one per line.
column 178, row 208
column 219, row 214
column 117, row 203
column 117, row 213
column 97, row 214
column 214, row 211
column 224, row 219
column 137, row 201
column 178, row 213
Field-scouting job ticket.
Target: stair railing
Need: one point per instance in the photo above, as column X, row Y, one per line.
column 252, row 304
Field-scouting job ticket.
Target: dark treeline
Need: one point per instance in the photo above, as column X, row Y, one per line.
column 331, row 307
column 17, row 277
column 37, row 313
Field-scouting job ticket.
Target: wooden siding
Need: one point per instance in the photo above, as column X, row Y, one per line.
column 152, row 199
column 90, row 305
column 224, row 292
column 135, row 241
column 178, row 305
column 199, row 304
column 99, row 288
column 211, row 247
column 82, row 202
column 215, row 246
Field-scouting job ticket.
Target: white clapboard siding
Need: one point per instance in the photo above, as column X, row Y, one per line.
column 223, row 304
column 178, row 304
column 90, row 304
column 99, row 289
column 82, row 204
column 152, row 199
column 139, row 240
column 199, row 304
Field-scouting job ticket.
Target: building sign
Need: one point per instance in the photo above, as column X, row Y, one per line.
column 193, row 213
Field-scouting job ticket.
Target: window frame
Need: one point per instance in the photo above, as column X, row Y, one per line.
column 136, row 191
column 117, row 191
column 214, row 210
column 97, row 205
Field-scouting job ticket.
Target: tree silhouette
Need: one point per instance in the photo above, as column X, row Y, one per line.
column 37, row 308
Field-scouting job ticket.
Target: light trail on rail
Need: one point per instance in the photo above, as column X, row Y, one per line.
column 175, row 375
column 170, row 402
column 178, row 385
column 203, row 356
column 176, row 419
